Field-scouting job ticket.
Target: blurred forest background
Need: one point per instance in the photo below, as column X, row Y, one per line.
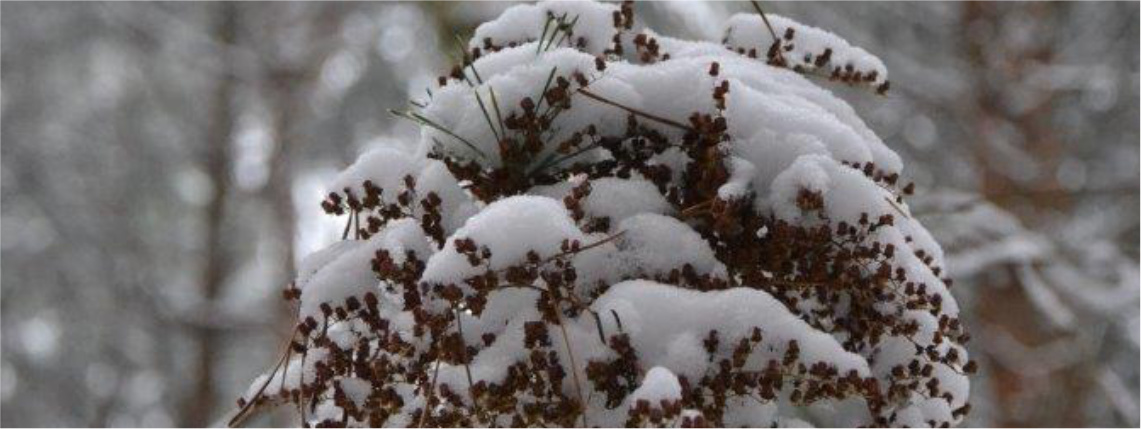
column 162, row 166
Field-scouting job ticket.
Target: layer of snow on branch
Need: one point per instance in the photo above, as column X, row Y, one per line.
column 345, row 269
column 808, row 44
column 526, row 23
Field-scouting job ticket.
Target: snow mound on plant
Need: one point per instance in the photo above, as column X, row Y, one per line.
column 613, row 198
column 658, row 385
column 344, row 270
column 656, row 316
column 531, row 280
column 770, row 111
column 654, row 244
column 529, row 23
column 802, row 45
column 385, row 167
column 510, row 228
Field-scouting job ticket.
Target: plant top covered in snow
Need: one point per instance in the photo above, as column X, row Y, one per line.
column 603, row 226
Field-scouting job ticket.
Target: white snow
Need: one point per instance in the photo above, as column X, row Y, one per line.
column 656, row 315
column 658, row 384
column 654, row 244
column 524, row 23
column 356, row 389
column 741, row 176
column 349, row 270
column 748, row 31
column 384, row 166
column 614, row 198
column 456, row 206
column 509, row 228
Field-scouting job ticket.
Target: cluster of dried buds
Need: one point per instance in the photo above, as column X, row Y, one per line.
column 378, row 211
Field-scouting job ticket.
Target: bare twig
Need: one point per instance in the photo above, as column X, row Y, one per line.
column 896, row 207
column 696, row 208
column 772, row 32
column 467, row 364
column 761, row 12
column 244, row 412
column 574, row 367
column 430, row 394
column 357, row 219
column 634, row 111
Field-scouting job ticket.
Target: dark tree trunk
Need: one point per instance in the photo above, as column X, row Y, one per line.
column 201, row 400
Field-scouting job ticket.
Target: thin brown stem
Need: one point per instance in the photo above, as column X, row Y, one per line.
column 243, row 413
column 300, row 406
column 772, row 32
column 637, row 112
column 467, row 363
column 696, row 209
column 587, row 247
column 348, row 224
column 429, row 395
column 574, row 367
column 357, row 230
column 761, row 12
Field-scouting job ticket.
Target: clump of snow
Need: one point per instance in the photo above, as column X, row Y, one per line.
column 385, row 167
column 529, row 22
column 656, row 315
column 802, row 45
column 654, row 244
column 316, row 261
column 741, row 176
column 510, row 228
column 347, row 269
column 615, row 199
column 356, row 389
column 456, row 205
column 658, row 384
column 809, row 173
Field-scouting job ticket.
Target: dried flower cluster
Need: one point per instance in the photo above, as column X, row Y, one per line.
column 581, row 257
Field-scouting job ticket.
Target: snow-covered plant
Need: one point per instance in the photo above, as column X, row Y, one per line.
column 604, row 226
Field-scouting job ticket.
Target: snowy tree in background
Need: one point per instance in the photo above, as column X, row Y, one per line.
column 603, row 226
